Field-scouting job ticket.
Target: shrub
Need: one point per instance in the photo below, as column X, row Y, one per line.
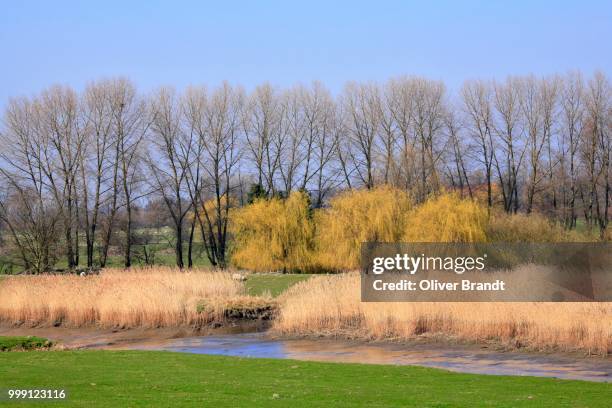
column 208, row 210
column 256, row 192
column 358, row 216
column 607, row 234
column 6, row 266
column 504, row 227
column 19, row 343
column 447, row 218
column 274, row 234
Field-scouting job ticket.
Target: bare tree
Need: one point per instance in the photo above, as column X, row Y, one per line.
column 130, row 125
column 215, row 120
column 323, row 127
column 549, row 90
column 169, row 159
column 63, row 138
column 597, row 150
column 26, row 207
column 532, row 107
column 477, row 103
column 572, row 103
column 454, row 128
column 509, row 155
column 262, row 123
column 400, row 100
column 292, row 138
column 389, row 133
column 95, row 158
column 361, row 109
column 428, row 117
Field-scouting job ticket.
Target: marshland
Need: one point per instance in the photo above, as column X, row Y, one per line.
column 321, row 306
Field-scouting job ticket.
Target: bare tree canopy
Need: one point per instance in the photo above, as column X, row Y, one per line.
column 110, row 164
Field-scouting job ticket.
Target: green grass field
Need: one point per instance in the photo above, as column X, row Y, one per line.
column 144, row 379
column 258, row 284
column 10, row 343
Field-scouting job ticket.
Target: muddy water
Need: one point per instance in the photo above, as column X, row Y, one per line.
column 234, row 342
column 455, row 358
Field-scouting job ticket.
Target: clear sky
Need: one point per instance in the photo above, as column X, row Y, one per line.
column 180, row 43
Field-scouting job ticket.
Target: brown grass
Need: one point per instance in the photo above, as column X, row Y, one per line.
column 330, row 306
column 159, row 297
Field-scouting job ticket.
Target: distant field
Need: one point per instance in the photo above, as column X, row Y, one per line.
column 161, row 244
column 151, row 379
column 163, row 257
column 275, row 284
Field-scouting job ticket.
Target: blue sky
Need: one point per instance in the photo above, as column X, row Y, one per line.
column 180, row 43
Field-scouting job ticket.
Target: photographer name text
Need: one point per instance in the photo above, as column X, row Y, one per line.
column 427, row 285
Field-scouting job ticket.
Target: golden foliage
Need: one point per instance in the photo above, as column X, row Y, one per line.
column 358, row 216
column 607, row 234
column 447, row 218
column 503, row 227
column 481, row 195
column 273, row 234
column 280, row 234
column 210, row 207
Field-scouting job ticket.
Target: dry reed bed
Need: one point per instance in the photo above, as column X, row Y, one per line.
column 330, row 306
column 159, row 297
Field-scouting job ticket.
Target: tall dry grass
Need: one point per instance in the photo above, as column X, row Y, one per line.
column 330, row 306
column 159, row 297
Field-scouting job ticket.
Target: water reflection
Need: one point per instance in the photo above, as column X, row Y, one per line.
column 455, row 358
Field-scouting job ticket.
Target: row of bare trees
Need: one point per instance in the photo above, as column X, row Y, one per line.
column 544, row 143
column 76, row 166
column 69, row 164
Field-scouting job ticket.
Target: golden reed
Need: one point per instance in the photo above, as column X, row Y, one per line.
column 330, row 306
column 157, row 297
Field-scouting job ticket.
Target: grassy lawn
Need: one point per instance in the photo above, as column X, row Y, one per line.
column 9, row 343
column 140, row 378
column 259, row 283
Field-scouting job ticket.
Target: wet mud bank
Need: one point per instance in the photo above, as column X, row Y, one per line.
column 460, row 358
column 100, row 338
column 251, row 339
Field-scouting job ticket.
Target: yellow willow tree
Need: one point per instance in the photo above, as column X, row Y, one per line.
column 274, row 234
column 447, row 218
column 358, row 216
